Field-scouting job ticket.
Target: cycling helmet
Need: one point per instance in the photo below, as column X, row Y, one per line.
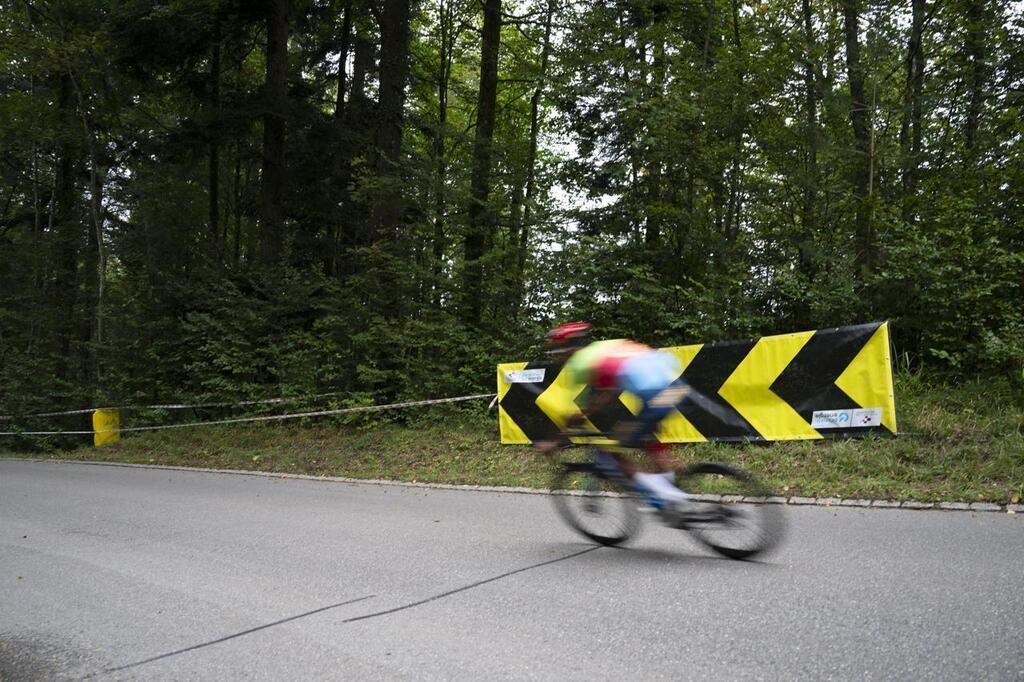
column 569, row 336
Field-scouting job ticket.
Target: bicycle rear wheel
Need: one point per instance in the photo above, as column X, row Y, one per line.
column 735, row 527
column 594, row 505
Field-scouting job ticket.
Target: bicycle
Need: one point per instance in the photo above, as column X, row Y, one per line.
column 597, row 500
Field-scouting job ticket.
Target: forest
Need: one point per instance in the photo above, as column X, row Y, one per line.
column 235, row 200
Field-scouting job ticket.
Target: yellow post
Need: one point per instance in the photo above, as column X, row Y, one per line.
column 106, row 426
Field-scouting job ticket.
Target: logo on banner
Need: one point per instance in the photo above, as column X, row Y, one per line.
column 525, row 376
column 846, row 419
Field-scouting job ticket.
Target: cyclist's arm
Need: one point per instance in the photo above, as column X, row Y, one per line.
column 598, row 400
column 595, row 400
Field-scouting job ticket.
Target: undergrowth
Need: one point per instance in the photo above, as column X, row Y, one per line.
column 960, row 441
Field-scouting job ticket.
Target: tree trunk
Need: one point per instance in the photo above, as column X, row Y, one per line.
column 96, row 265
column 739, row 125
column 531, row 159
column 641, row 74
column 237, row 205
column 96, row 260
column 976, row 54
column 332, row 229
column 394, row 68
column 346, row 39
column 480, row 218
column 354, row 129
column 362, row 65
column 864, row 239
column 811, row 121
column 214, row 132
column 910, row 124
column 66, row 226
column 276, row 103
column 447, row 56
column 655, row 173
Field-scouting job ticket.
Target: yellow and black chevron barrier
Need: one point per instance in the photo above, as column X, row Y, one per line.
column 818, row 384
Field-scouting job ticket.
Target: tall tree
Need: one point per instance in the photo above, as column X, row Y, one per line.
column 480, row 216
column 448, row 33
column 913, row 110
column 394, row 68
column 978, row 75
column 810, row 190
column 274, row 123
column 863, row 231
column 214, row 123
column 66, row 219
column 345, row 45
column 522, row 219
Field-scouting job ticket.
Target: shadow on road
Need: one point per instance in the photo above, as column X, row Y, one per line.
column 624, row 556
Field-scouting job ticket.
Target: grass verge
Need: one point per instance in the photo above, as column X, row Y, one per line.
column 964, row 442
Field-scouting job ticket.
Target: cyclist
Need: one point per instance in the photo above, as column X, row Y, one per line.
column 608, row 367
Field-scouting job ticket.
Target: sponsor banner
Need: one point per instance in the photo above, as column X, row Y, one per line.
column 844, row 419
column 524, row 376
column 825, row 383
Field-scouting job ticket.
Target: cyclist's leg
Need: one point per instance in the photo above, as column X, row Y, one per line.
column 657, row 408
column 640, row 433
column 598, row 400
column 654, row 378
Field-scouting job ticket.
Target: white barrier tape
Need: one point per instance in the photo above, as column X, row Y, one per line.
column 268, row 401
column 176, row 406
column 240, row 420
column 52, row 414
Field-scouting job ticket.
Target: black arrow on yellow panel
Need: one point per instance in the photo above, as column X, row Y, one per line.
column 703, row 406
column 520, row 403
column 606, row 419
column 808, row 382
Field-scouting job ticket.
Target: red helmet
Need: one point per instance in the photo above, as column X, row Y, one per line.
column 570, row 335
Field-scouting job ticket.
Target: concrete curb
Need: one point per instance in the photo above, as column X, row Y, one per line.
column 793, row 500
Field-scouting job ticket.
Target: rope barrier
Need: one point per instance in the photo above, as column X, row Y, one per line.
column 175, row 406
column 240, row 420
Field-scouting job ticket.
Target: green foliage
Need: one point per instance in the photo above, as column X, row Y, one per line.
column 963, row 442
column 690, row 185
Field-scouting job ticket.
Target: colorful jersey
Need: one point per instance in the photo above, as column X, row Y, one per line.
column 623, row 364
column 596, row 364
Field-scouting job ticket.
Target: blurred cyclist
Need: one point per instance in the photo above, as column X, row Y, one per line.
column 608, row 367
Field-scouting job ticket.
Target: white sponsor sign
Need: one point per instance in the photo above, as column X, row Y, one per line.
column 871, row 416
column 846, row 419
column 524, row 376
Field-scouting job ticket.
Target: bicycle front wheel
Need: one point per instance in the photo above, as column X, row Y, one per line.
column 739, row 526
column 594, row 505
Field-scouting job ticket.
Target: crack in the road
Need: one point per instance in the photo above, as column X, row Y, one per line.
column 467, row 587
column 233, row 636
column 367, row 616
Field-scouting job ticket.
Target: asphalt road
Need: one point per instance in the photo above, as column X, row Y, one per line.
column 133, row 573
